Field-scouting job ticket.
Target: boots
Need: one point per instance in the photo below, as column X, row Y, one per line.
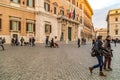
column 102, row 74
column 110, row 68
column 91, row 69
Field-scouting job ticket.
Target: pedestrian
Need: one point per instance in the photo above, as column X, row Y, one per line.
column 13, row 42
column 78, row 42
column 16, row 41
column 33, row 41
column 109, row 55
column 30, row 41
column 46, row 42
column 115, row 42
column 99, row 56
column 1, row 44
column 52, row 43
column 93, row 42
column 3, row 41
column 22, row 41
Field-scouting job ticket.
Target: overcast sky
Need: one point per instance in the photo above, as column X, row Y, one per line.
column 101, row 8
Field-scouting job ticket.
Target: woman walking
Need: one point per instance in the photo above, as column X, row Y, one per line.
column 99, row 56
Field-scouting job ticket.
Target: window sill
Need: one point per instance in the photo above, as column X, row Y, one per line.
column 14, row 31
column 15, row 4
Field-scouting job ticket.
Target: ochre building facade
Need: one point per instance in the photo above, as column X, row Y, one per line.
column 113, row 23
column 65, row 20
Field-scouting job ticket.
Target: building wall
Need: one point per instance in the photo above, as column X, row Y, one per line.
column 9, row 9
column 59, row 23
column 114, row 25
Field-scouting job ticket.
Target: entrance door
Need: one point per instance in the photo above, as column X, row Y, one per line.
column 15, row 35
column 69, row 33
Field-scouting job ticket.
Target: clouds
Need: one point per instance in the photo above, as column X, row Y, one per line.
column 99, row 4
column 101, row 8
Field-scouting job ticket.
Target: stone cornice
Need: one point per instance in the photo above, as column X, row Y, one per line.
column 17, row 8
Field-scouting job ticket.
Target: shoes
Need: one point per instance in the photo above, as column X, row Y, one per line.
column 106, row 69
column 110, row 69
column 102, row 74
column 91, row 69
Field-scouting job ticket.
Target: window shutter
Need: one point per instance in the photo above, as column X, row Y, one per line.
column 10, row 24
column 48, row 7
column 27, row 2
column 33, row 3
column 45, row 6
column 18, row 1
column 19, row 26
column 34, row 28
column 0, row 23
column 50, row 29
column 26, row 27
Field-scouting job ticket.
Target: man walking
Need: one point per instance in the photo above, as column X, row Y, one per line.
column 78, row 42
column 1, row 43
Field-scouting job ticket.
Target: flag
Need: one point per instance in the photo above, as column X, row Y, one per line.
column 74, row 14
column 70, row 12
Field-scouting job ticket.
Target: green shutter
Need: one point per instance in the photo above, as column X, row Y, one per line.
column 34, row 28
column 18, row 1
column 33, row 3
column 27, row 2
column 19, row 26
column 50, row 29
column 10, row 24
column 0, row 24
column 26, row 27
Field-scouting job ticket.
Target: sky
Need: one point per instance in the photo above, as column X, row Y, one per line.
column 100, row 10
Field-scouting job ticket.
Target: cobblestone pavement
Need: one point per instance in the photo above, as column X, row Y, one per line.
column 65, row 63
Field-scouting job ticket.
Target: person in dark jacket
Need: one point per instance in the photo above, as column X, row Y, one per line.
column 1, row 43
column 46, row 42
column 108, row 56
column 78, row 42
column 52, row 43
column 99, row 57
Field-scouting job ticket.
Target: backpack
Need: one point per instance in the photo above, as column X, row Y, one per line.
column 95, row 50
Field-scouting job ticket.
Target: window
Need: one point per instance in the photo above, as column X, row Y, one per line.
column 31, row 3
column 30, row 27
column 47, row 7
column 48, row 28
column 62, row 12
column 15, row 25
column 77, row 4
column 15, row 1
column 55, row 10
column 73, row 2
column 116, row 32
column 116, row 11
column 116, row 19
column 116, row 26
column 0, row 23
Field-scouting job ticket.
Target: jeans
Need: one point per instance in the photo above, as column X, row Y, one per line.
column 107, row 60
column 100, row 62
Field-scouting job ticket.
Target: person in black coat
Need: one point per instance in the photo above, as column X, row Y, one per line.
column 109, row 55
column 78, row 42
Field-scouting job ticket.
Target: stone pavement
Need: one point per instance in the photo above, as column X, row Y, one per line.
column 65, row 63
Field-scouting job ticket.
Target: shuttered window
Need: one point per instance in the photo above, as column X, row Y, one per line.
column 30, row 27
column 15, row 25
column 0, row 23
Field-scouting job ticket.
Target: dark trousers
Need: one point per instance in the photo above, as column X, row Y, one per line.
column 100, row 62
column 107, row 61
column 2, row 47
column 78, row 45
